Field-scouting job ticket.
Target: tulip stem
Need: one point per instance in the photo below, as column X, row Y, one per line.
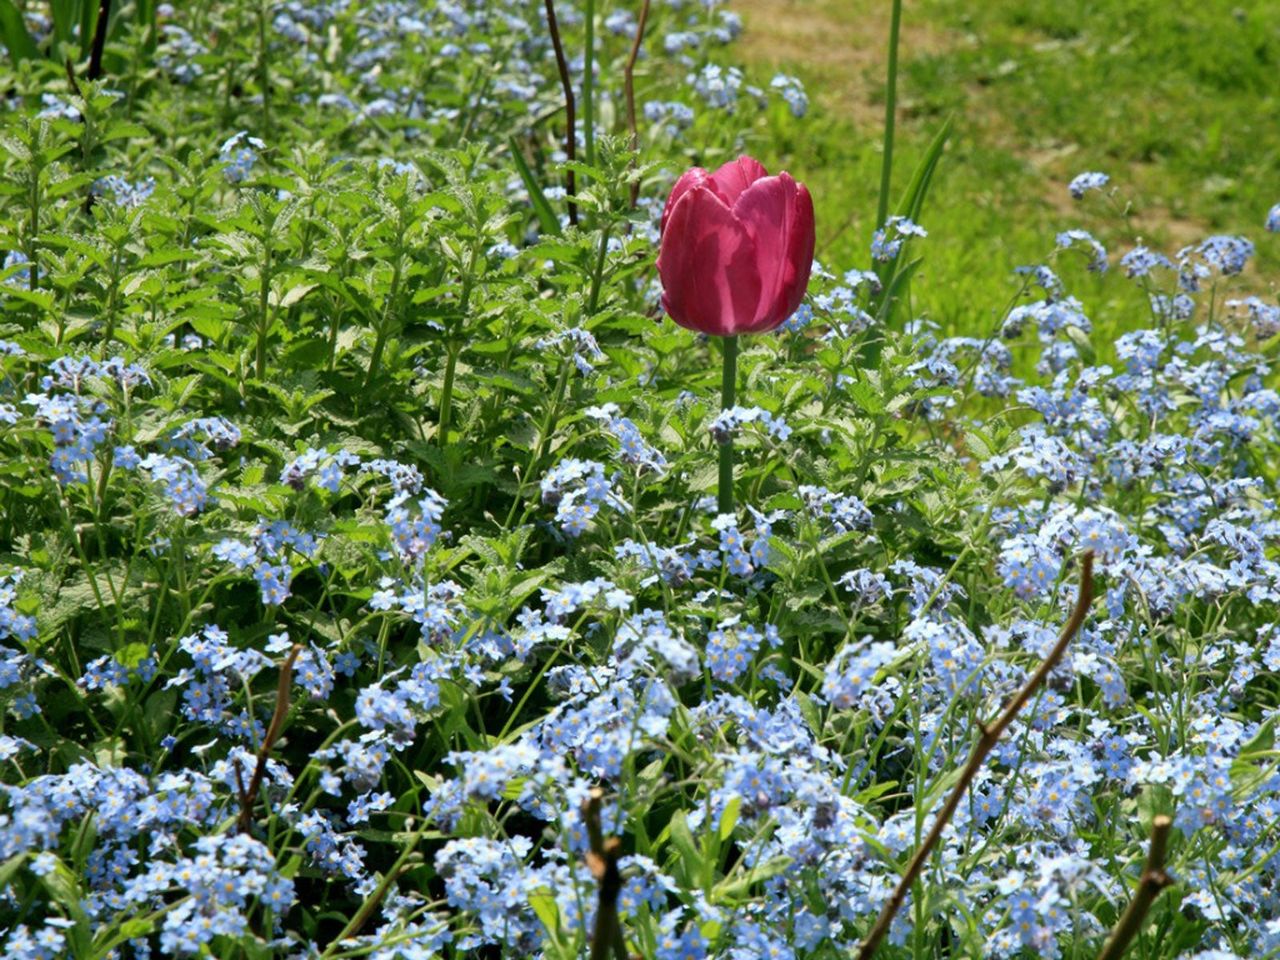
column 727, row 386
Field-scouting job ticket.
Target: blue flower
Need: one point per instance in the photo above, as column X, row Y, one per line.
column 1140, row 261
column 1085, row 182
column 273, row 580
column 792, row 91
column 888, row 240
column 239, row 159
column 123, row 193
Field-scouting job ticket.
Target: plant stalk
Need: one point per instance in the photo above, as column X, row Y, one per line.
column 99, row 40
column 728, row 384
column 249, row 795
column 264, row 75
column 890, row 115
column 588, row 81
column 264, row 315
column 446, row 395
column 602, row 862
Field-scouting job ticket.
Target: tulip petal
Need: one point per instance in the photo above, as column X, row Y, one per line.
column 689, row 178
column 710, row 281
column 735, row 176
column 778, row 214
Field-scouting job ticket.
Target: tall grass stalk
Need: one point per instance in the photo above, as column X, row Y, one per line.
column 890, row 111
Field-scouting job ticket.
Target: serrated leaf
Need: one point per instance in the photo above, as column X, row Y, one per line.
column 296, row 293
column 865, row 396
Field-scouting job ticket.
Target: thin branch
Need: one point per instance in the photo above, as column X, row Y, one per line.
column 629, row 91
column 571, row 136
column 1152, row 883
column 99, row 40
column 602, row 861
column 989, row 737
column 71, row 78
column 249, row 796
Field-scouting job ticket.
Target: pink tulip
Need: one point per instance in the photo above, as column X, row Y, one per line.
column 736, row 249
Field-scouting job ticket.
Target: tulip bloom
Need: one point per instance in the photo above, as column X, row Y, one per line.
column 736, row 249
column 735, row 255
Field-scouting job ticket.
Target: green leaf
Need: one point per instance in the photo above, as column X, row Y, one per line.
column 1083, row 344
column 541, row 206
column 88, row 24
column 729, row 818
column 66, row 15
column 875, row 792
column 543, row 902
column 682, row 840
column 296, row 293
column 736, row 887
column 145, row 15
column 61, row 885
column 9, row 868
column 123, row 130
column 809, row 710
column 40, row 298
column 13, row 33
column 70, row 184
column 893, row 279
column 918, row 188
column 865, row 396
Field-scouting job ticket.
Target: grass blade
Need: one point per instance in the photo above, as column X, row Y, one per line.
column 913, row 200
column 541, row 206
column 892, row 279
column 13, row 34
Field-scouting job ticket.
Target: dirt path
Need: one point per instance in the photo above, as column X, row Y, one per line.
column 841, row 42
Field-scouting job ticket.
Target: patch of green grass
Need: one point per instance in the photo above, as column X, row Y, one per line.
column 1178, row 102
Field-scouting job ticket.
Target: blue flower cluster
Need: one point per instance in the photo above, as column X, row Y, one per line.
column 888, row 240
column 577, row 489
column 728, row 422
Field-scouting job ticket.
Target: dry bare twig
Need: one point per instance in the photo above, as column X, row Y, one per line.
column 629, row 91
column 1151, row 884
column 571, row 136
column 602, row 861
column 99, row 40
column 989, row 737
column 249, row 795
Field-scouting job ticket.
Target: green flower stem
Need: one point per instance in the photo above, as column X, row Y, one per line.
column 264, row 313
column 446, row 394
column 453, row 344
column 371, row 902
column 597, row 275
column 890, row 109
column 544, row 439
column 727, row 385
column 588, row 82
column 264, row 76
